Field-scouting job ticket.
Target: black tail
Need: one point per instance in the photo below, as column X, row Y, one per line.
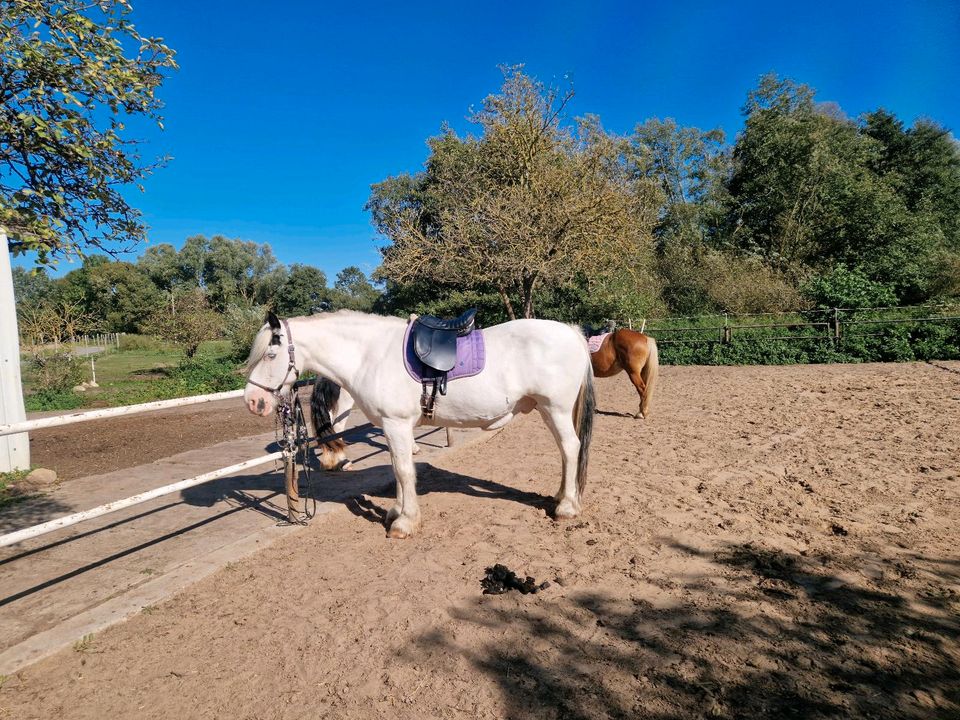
column 583, row 420
column 326, row 394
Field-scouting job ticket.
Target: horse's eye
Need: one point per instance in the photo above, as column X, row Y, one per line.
column 271, row 354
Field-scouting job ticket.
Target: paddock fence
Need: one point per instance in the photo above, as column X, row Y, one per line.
column 821, row 325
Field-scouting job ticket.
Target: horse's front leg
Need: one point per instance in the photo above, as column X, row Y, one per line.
column 403, row 520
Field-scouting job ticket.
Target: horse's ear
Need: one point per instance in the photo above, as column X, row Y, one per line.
column 273, row 320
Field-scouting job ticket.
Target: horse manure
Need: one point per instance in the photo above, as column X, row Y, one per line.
column 499, row 579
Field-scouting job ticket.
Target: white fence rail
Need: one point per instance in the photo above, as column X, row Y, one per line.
column 68, row 520
column 57, row 420
column 293, row 499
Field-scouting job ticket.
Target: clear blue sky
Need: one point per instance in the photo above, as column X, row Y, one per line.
column 284, row 113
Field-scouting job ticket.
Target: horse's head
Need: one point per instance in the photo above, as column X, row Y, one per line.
column 271, row 367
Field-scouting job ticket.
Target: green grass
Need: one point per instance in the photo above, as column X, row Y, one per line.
column 9, row 494
column 146, row 372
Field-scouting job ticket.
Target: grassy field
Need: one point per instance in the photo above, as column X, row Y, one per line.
column 147, row 371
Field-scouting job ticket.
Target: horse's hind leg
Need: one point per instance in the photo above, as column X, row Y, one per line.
column 640, row 385
column 403, row 520
column 561, row 425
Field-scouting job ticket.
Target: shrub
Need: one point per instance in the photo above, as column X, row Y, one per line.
column 843, row 287
column 700, row 279
column 140, row 342
column 52, row 400
column 241, row 324
column 56, row 373
column 202, row 375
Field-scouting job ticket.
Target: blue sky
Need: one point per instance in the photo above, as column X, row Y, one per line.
column 282, row 114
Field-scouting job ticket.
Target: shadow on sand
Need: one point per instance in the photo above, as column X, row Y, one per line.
column 817, row 648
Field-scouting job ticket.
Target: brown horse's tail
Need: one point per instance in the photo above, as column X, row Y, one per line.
column 649, row 375
column 583, row 413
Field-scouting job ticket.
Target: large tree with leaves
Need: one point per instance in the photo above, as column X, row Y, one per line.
column 811, row 188
column 691, row 167
column 73, row 73
column 530, row 203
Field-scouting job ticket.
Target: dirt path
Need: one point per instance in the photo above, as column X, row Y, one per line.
column 100, row 446
column 774, row 542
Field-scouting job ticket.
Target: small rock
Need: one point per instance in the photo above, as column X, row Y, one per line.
column 41, row 476
column 805, row 663
column 761, row 662
column 79, row 388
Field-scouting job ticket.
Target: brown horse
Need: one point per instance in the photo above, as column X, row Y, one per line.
column 634, row 352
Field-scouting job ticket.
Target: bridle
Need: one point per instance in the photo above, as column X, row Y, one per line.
column 291, row 364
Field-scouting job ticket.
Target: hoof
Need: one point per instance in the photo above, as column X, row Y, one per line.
column 566, row 510
column 401, row 528
column 347, row 466
column 416, row 449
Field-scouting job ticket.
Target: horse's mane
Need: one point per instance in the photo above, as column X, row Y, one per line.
column 260, row 344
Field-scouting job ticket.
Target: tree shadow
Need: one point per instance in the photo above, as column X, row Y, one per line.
column 793, row 640
column 31, row 508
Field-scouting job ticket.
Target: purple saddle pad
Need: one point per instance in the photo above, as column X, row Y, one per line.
column 471, row 356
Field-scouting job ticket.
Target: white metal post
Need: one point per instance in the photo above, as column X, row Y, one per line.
column 14, row 449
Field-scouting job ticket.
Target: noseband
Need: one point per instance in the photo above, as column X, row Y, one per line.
column 291, row 365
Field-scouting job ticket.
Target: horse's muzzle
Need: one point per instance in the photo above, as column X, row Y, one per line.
column 259, row 404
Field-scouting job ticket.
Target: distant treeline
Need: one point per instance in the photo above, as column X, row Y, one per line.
column 210, row 288
column 541, row 215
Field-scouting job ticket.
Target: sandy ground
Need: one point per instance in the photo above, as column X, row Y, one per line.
column 773, row 542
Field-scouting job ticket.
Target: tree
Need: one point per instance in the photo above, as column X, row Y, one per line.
column 691, row 167
column 305, row 291
column 31, row 288
column 923, row 164
column 809, row 190
column 161, row 264
column 241, row 271
column 120, row 296
column 528, row 204
column 188, row 324
column 353, row 291
column 72, row 74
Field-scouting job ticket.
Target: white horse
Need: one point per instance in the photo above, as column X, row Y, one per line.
column 530, row 364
